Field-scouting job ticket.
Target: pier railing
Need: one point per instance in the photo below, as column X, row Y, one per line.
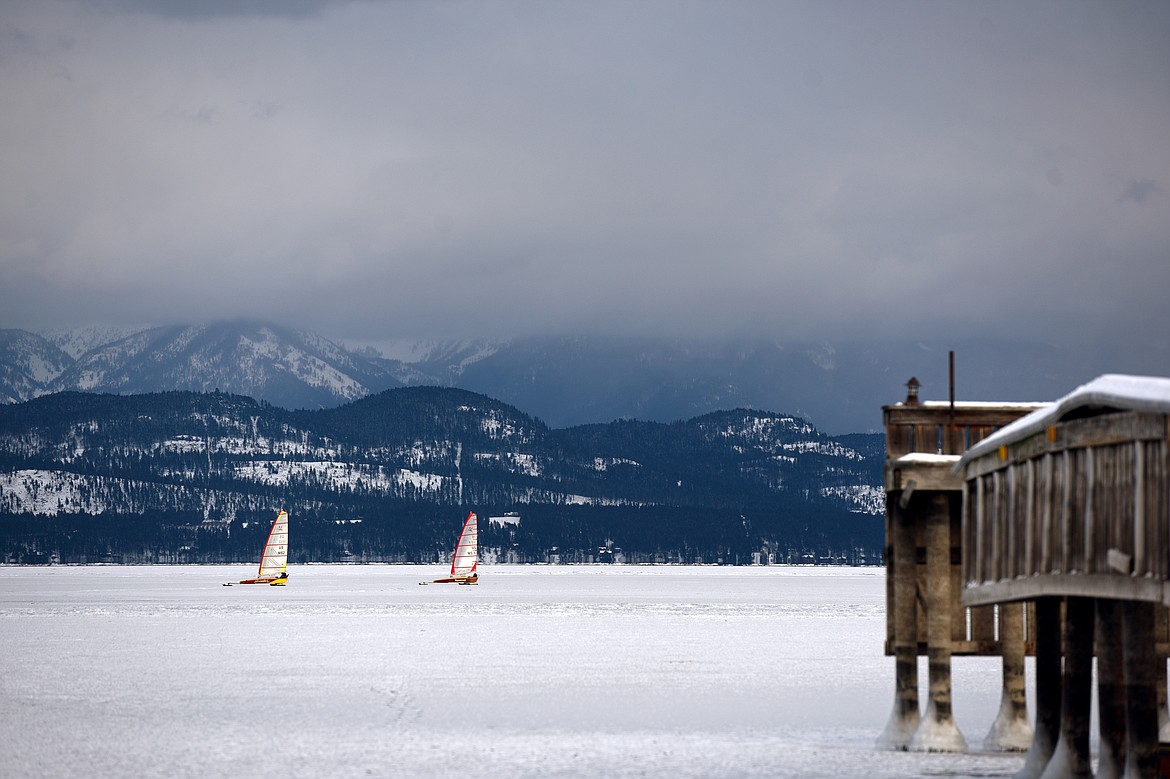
column 1080, row 508
column 939, row 427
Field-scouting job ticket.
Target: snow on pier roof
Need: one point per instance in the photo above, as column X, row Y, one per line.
column 1110, row 391
column 972, row 404
column 927, row 458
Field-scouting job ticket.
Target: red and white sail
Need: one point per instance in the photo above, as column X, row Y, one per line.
column 274, row 559
column 466, row 548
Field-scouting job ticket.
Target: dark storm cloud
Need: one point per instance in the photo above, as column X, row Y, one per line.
column 380, row 169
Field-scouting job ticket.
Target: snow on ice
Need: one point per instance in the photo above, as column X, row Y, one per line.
column 539, row 671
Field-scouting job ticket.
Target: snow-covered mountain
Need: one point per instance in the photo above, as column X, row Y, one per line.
column 433, row 357
column 28, row 362
column 285, row 367
column 77, row 341
column 562, row 380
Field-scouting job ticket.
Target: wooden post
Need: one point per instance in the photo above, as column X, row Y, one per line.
column 1140, row 698
column 1048, row 688
column 1162, row 628
column 1162, row 702
column 1011, row 731
column 937, row 731
column 905, row 717
column 1070, row 759
column 1110, row 690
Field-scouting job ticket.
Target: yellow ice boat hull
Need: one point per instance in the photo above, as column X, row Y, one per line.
column 457, row 580
column 275, row 581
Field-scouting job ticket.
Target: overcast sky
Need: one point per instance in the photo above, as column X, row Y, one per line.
column 411, row 169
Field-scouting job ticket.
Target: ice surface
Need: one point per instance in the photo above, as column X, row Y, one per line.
column 538, row 671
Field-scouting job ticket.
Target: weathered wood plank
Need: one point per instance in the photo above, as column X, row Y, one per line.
column 1083, row 585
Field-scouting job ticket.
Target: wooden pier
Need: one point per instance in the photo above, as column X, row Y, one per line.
column 924, row 615
column 1042, row 529
column 1069, row 508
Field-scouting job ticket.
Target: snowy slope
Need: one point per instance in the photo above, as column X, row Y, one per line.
column 27, row 362
column 284, row 367
column 79, row 340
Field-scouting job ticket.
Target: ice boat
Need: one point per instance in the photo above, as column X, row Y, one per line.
column 274, row 558
column 466, row 555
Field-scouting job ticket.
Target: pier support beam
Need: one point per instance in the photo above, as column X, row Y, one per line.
column 1162, row 628
column 1070, row 760
column 1011, row 731
column 905, row 717
column 1111, row 690
column 937, row 731
column 1127, row 667
column 1048, row 688
column 1141, row 699
column 1160, row 689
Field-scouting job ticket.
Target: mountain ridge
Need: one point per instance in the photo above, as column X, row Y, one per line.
column 563, row 380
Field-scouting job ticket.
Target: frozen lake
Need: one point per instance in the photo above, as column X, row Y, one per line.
column 539, row 671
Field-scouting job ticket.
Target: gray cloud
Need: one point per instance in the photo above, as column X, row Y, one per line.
column 204, row 10
column 417, row 169
column 1139, row 191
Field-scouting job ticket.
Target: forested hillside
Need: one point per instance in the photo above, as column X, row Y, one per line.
column 197, row 477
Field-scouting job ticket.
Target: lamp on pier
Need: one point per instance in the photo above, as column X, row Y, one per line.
column 912, row 391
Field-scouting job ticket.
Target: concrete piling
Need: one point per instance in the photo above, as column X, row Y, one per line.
column 937, row 732
column 1070, row 759
column 1137, row 619
column 1048, row 688
column 1110, row 690
column 905, row 717
column 1011, row 731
